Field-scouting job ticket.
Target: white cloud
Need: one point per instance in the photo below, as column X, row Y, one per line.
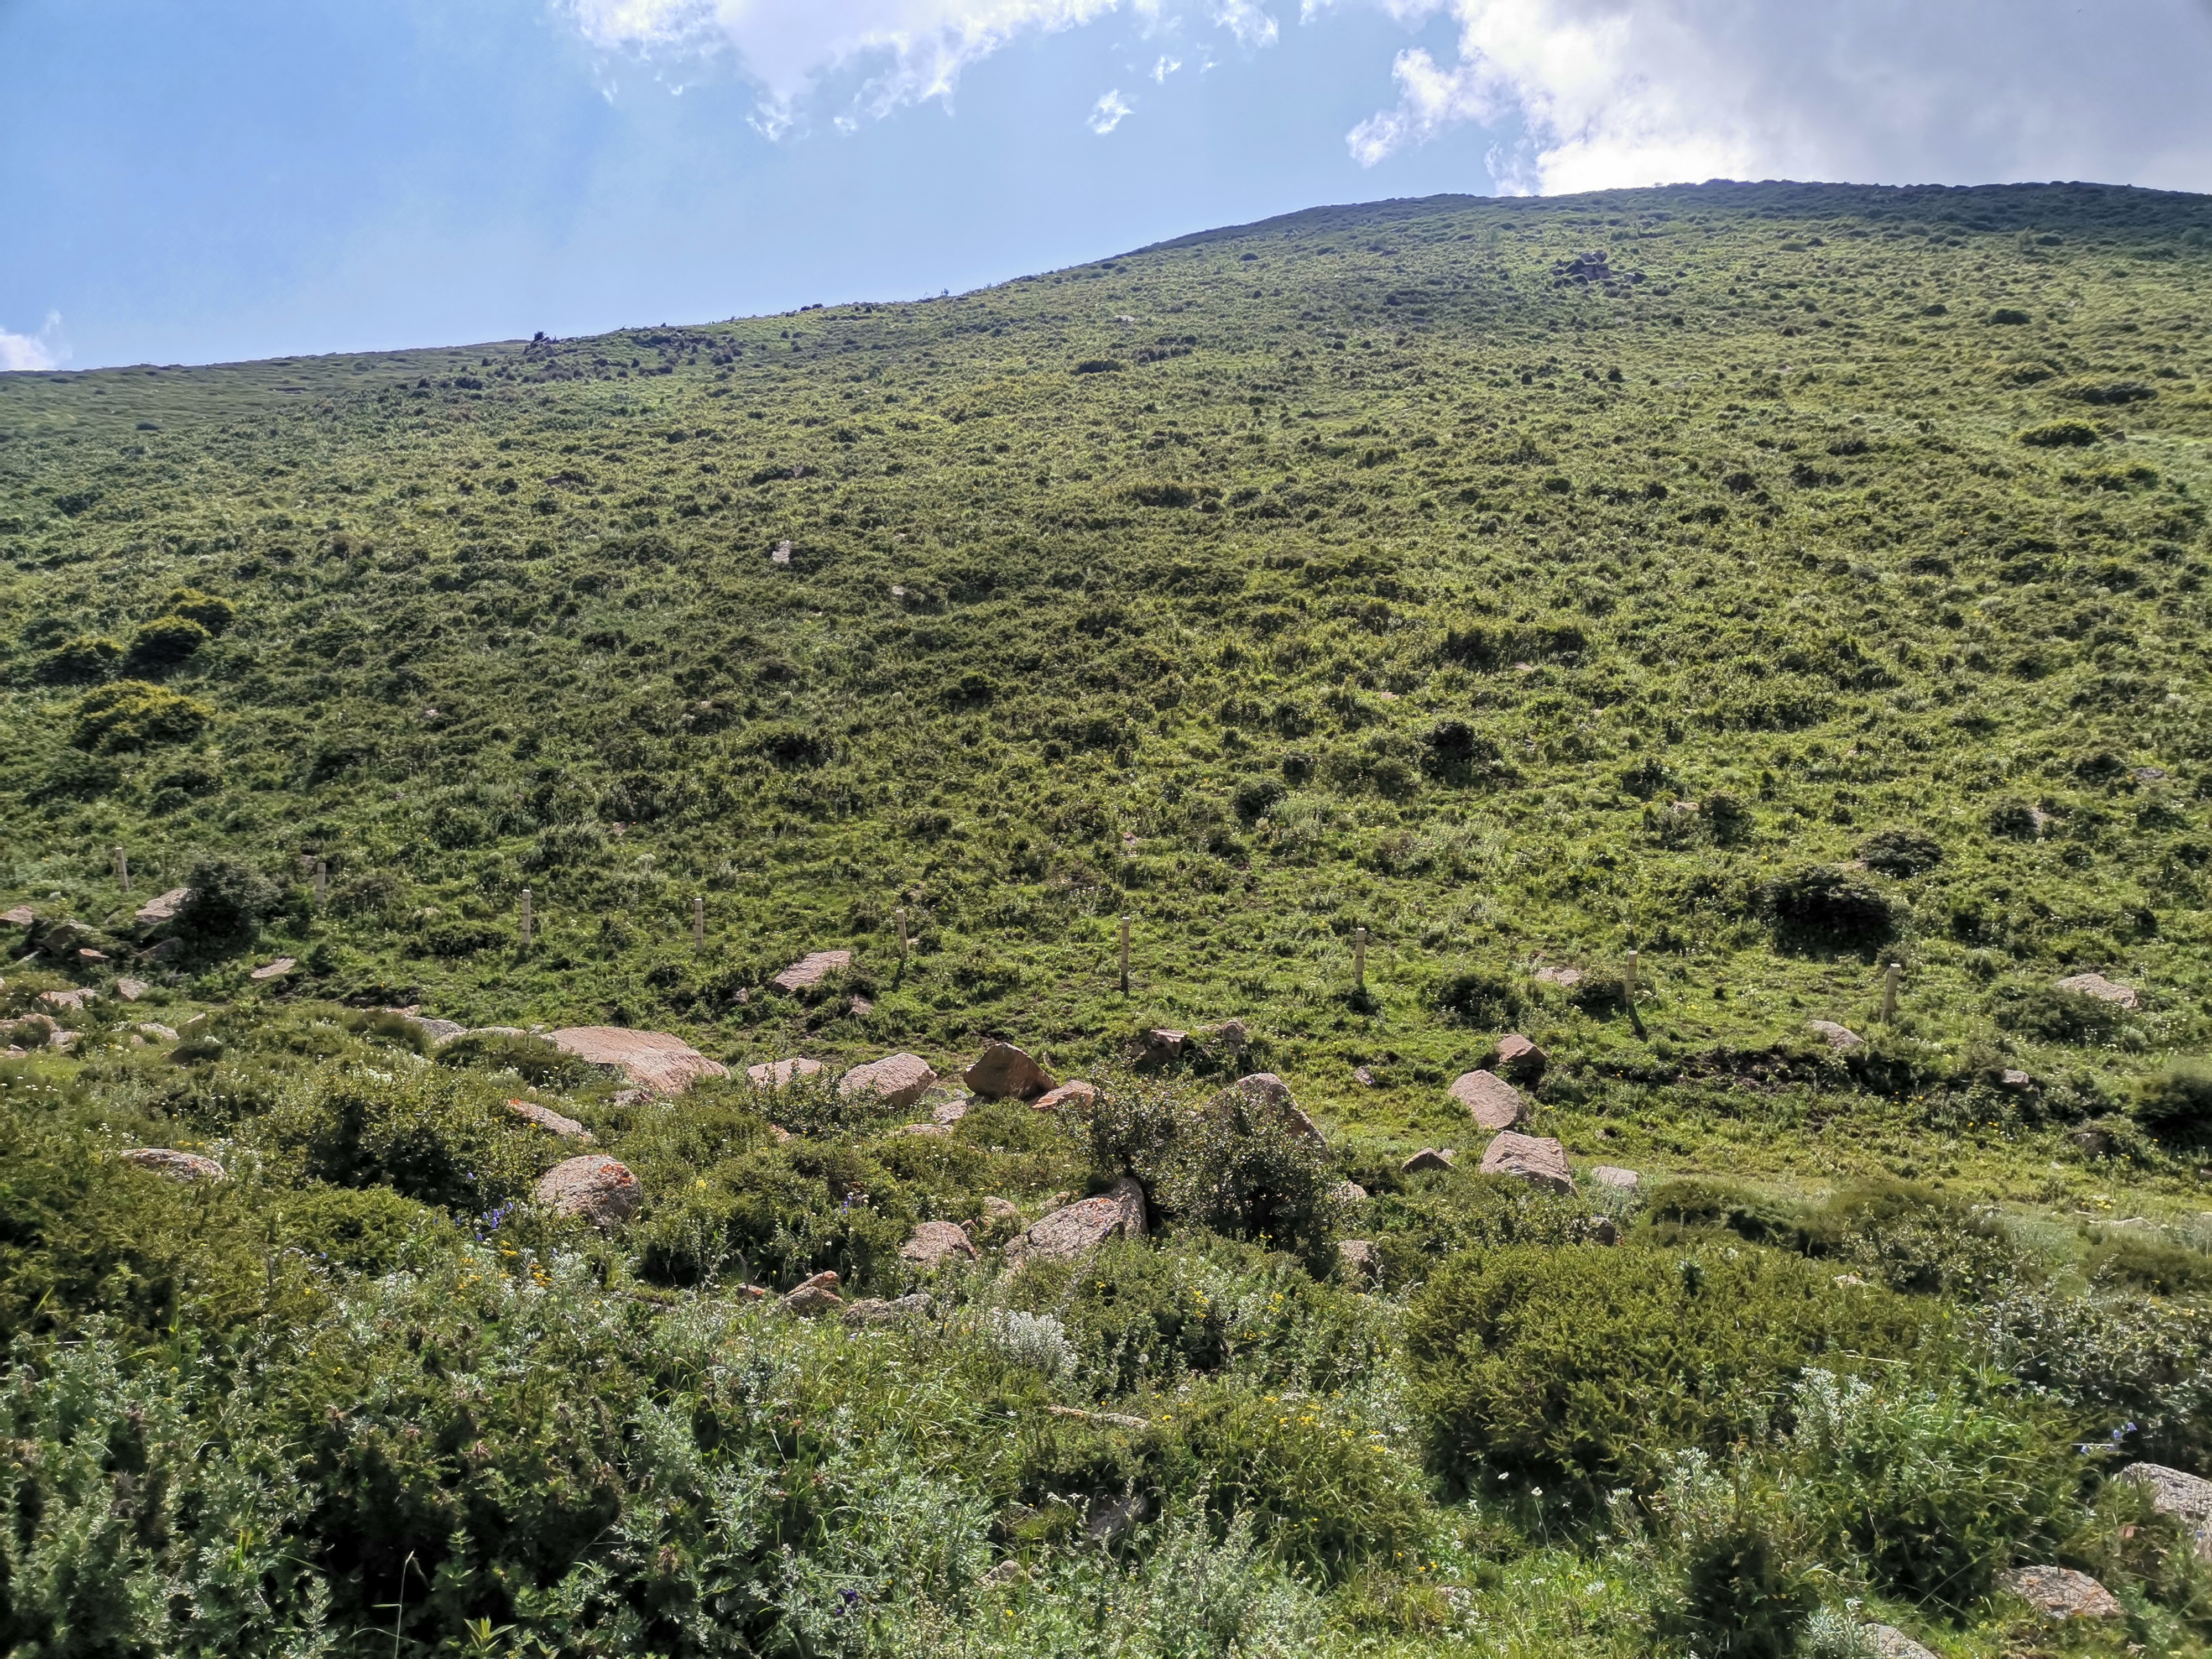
column 45, row 349
column 1245, row 20
column 1639, row 92
column 1107, row 113
column 1164, row 68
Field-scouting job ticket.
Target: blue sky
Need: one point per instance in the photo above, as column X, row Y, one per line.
column 197, row 180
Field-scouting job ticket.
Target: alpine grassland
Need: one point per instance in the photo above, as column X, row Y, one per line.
column 1725, row 665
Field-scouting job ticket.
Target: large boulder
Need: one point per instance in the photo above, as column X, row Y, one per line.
column 598, row 1188
column 1162, row 1046
column 1429, row 1158
column 156, row 911
column 1841, row 1038
column 894, row 1082
column 2061, row 1593
column 1537, row 1159
column 1080, row 1228
column 1267, row 1093
column 1075, row 1095
column 936, row 1243
column 173, row 1165
column 781, row 1073
column 545, row 1118
column 1003, row 1072
column 1620, row 1180
column 2105, row 990
column 818, row 1295
column 1490, row 1100
column 1517, row 1060
column 1890, row 1643
column 650, row 1060
column 812, row 970
column 2172, row 1490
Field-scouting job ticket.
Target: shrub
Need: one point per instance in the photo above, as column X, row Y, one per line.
column 432, row 1135
column 132, row 715
column 87, row 657
column 2045, row 1012
column 1746, row 1587
column 229, row 900
column 1254, row 795
column 1824, row 906
column 164, row 642
column 533, row 1059
column 1580, row 1367
column 2060, row 434
column 2149, row 1264
column 2016, row 820
column 1902, row 851
column 2009, row 316
column 2176, row 1103
column 1481, row 997
column 211, row 613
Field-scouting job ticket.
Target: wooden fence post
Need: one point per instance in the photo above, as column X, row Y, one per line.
column 322, row 882
column 698, row 923
column 1359, row 958
column 1889, row 992
column 1125, row 954
column 123, row 869
column 1628, row 980
column 901, row 914
column 525, row 917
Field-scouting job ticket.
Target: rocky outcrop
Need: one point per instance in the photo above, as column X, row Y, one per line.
column 893, row 1082
column 1075, row 1095
column 812, row 970
column 156, row 911
column 1264, row 1093
column 650, row 1060
column 1517, row 1060
column 1537, row 1159
column 818, row 1295
column 1608, row 1174
column 548, row 1119
column 173, row 1165
column 1841, row 1038
column 1429, row 1158
column 936, row 1243
column 1080, row 1228
column 781, row 1073
column 2061, row 1593
column 1003, row 1072
column 601, row 1190
column 2105, row 990
column 1490, row 1100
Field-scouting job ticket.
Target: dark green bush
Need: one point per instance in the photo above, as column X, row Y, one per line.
column 2175, row 1103
column 534, row 1059
column 1481, row 997
column 1826, row 907
column 214, row 614
column 1902, row 851
column 1583, row 1367
column 87, row 657
column 132, row 715
column 2149, row 1264
column 230, row 899
column 162, row 644
column 2052, row 1015
column 435, row 1136
column 2061, row 435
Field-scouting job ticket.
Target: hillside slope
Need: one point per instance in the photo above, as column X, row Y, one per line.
column 1522, row 581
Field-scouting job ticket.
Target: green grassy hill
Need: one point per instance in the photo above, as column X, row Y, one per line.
column 1778, row 581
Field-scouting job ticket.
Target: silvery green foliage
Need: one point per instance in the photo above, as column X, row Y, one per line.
column 1038, row 1340
column 1834, row 1633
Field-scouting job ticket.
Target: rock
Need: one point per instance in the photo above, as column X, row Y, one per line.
column 1604, row 1230
column 936, row 1243
column 495, row 1030
column 1348, row 1192
column 1003, row 1072
column 1111, row 1419
column 923, row 1129
column 897, row 1081
column 780, row 554
column 1567, row 977
column 1161, row 1046
column 1890, row 1643
column 2149, row 774
column 21, row 916
column 1078, row 1094
column 1232, row 1036
column 1360, row 1259
column 1848, row 1281
column 73, row 1001
column 862, row 1007
column 818, row 1295
column 1518, row 1060
column 173, row 1165
column 88, row 954
column 874, row 1310
column 2105, row 990
column 132, row 989
column 548, row 1119
column 1265, row 1091
column 2091, row 1142
column 2061, row 1593
column 596, row 1187
column 1119, row 1212
column 155, row 911
column 998, row 1213
column 159, row 1033
column 812, row 970
column 1536, row 1158
column 2172, row 1491
column 780, row 1074
column 1841, row 1038
column 948, row 1111
column 440, row 1032
column 1363, row 1076
column 2018, row 1082
column 1427, row 1159
column 1490, row 1100
column 1607, row 1175
column 276, row 969
column 1010, row 1571
column 1110, row 1517
column 650, row 1060
column 163, row 951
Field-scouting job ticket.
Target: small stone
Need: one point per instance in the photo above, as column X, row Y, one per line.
column 163, row 951
column 159, row 1033
column 173, row 1165
column 1265, row 1091
column 2150, row 774
column 948, row 1111
column 1363, row 1076
column 21, row 916
column 1620, row 1180
column 1427, row 1159
column 1231, row 1034
column 1538, row 1159
column 936, row 1243
column 818, row 1295
column 923, row 1129
column 1841, row 1038
column 155, row 911
column 1111, row 1419
column 1604, row 1230
column 780, row 553
column 649, row 1059
column 1567, row 977
column 596, row 1187
column 88, row 954
column 548, row 1119
column 2061, row 1593
column 2018, row 1082
column 862, row 1007
column 1119, row 1212
column 1519, row 1060
column 1002, row 1072
column 1161, row 1046
column 2105, row 990
column 440, row 1032
column 895, row 1082
column 276, row 969
column 1490, row 1100
column 781, row 1073
column 874, row 1310
column 74, row 1001
column 1008, row 1571
column 132, row 989
column 1076, row 1095
column 1348, row 1192
column 812, row 970
column 1848, row 1281
column 1360, row 1259
column 1890, row 1643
